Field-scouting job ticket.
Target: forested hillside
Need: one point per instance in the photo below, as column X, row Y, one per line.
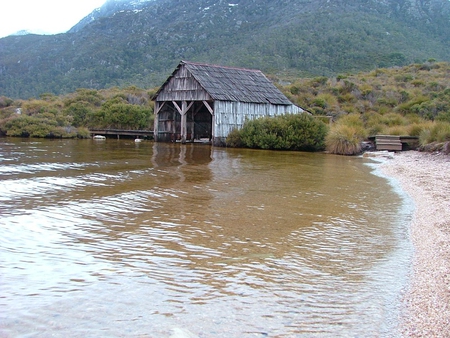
column 287, row 39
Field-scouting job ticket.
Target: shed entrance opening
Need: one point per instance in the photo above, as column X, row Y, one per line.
column 184, row 121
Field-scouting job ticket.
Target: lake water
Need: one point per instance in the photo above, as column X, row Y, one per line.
column 120, row 239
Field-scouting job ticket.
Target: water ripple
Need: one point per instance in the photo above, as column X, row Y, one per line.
column 247, row 244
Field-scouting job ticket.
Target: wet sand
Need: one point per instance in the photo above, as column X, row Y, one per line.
column 425, row 177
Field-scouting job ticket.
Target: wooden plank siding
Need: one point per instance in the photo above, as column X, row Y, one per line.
column 388, row 142
column 231, row 115
column 183, row 87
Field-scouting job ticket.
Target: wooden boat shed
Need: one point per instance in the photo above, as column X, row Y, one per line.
column 206, row 102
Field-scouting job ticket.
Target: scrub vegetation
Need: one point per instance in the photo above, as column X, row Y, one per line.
column 409, row 101
column 72, row 115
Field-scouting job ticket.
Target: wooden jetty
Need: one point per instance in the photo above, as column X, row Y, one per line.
column 118, row 133
column 395, row 142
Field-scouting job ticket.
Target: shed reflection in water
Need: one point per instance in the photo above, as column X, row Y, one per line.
column 117, row 238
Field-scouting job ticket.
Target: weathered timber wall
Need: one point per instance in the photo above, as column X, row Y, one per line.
column 230, row 115
column 183, row 87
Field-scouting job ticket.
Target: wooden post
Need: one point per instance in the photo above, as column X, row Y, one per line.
column 174, row 126
column 213, row 124
column 183, row 122
column 183, row 112
column 193, row 126
column 155, row 122
column 213, row 118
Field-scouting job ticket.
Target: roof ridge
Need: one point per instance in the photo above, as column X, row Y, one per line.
column 219, row 66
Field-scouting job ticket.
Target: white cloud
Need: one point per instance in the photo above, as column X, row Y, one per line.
column 44, row 16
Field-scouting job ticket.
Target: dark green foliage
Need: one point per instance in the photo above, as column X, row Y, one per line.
column 86, row 96
column 287, row 132
column 80, row 112
column 117, row 113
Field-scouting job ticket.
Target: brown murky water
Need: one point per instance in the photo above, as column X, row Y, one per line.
column 117, row 239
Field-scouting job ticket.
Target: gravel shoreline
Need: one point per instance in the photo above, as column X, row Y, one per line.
column 425, row 177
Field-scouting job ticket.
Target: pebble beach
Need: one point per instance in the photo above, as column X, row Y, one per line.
column 425, row 177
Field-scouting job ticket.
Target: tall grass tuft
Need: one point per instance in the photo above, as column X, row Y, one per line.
column 343, row 140
column 436, row 132
column 346, row 136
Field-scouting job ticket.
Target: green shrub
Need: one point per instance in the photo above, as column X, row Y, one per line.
column 117, row 113
column 320, row 102
column 234, row 139
column 83, row 133
column 33, row 126
column 443, row 117
column 286, row 132
column 295, row 90
column 79, row 111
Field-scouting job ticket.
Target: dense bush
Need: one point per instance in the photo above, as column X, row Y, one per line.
column 31, row 126
column 285, row 132
column 69, row 116
column 117, row 113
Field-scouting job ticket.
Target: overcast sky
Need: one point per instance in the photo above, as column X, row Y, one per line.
column 43, row 16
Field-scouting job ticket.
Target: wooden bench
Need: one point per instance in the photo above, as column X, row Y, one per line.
column 388, row 142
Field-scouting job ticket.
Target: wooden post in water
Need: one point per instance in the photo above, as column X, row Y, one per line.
column 155, row 121
column 183, row 122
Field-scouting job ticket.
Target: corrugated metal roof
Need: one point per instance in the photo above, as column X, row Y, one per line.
column 234, row 84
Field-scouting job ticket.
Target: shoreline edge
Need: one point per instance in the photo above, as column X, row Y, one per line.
column 425, row 177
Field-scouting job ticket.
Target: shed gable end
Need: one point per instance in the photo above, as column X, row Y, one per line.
column 182, row 86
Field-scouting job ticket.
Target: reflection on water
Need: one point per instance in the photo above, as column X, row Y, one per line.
column 118, row 239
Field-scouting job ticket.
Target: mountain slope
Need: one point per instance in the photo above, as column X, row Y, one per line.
column 110, row 8
column 141, row 46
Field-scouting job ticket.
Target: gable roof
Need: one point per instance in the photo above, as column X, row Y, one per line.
column 233, row 84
